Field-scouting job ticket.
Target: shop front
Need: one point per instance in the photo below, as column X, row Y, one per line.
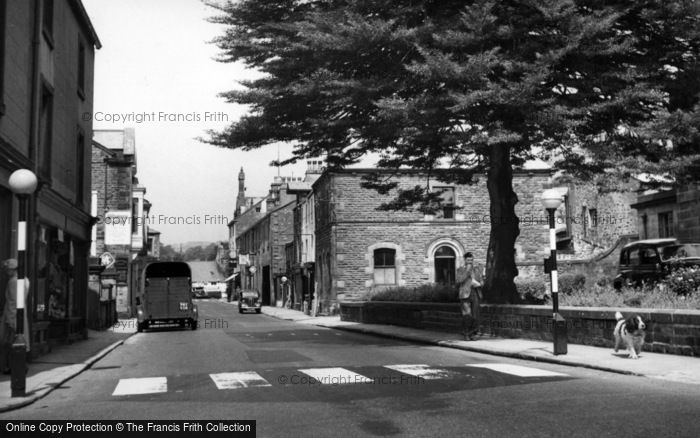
column 60, row 287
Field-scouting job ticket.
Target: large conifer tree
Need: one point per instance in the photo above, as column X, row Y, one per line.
column 474, row 86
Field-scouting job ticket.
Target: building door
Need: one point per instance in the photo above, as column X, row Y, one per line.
column 266, row 289
column 6, row 243
column 445, row 263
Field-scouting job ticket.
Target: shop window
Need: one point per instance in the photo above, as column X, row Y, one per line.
column 55, row 275
column 5, row 227
column 445, row 265
column 384, row 266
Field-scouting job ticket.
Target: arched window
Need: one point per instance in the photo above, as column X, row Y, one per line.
column 384, row 266
column 445, row 265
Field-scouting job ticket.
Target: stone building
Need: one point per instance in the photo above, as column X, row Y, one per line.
column 261, row 246
column 47, row 52
column 360, row 248
column 301, row 258
column 121, row 230
column 592, row 226
column 670, row 213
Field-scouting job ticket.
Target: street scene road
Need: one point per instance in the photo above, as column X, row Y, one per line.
column 298, row 380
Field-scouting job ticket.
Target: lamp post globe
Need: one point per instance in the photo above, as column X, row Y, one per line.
column 551, row 199
column 23, row 182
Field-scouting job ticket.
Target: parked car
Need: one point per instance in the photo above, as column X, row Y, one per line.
column 249, row 299
column 198, row 291
column 648, row 261
column 212, row 290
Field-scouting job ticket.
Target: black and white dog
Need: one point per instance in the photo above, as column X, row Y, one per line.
column 629, row 332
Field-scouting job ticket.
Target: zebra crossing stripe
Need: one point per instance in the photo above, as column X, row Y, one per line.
column 423, row 371
column 245, row 379
column 517, row 370
column 146, row 385
column 335, row 376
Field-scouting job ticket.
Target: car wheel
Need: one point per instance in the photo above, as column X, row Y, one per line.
column 257, row 310
column 193, row 324
column 240, row 310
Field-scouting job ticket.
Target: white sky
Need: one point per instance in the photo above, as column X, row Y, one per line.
column 156, row 57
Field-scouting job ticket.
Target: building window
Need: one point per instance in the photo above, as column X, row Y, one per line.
column 81, row 70
column 384, row 266
column 45, row 132
column 80, row 169
column 47, row 20
column 3, row 29
column 666, row 224
column 134, row 215
column 645, row 226
column 445, row 265
column 447, row 201
column 590, row 221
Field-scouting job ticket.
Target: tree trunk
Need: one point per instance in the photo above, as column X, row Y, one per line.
column 500, row 259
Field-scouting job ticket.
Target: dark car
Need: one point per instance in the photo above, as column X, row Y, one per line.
column 648, row 261
column 198, row 292
column 249, row 299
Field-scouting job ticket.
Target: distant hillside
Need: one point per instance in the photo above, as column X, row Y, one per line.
column 189, row 251
column 188, row 245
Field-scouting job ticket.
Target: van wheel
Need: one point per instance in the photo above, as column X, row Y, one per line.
column 141, row 326
column 257, row 310
column 193, row 324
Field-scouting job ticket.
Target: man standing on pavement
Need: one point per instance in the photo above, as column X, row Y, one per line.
column 8, row 319
column 470, row 278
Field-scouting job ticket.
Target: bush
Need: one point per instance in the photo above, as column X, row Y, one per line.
column 532, row 290
column 568, row 283
column 683, row 280
column 654, row 297
column 435, row 293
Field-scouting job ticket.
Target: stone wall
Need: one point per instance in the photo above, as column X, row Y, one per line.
column 668, row 331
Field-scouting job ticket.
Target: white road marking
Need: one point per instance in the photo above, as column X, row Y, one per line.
column 516, row 370
column 245, row 379
column 335, row 376
column 146, row 385
column 423, row 371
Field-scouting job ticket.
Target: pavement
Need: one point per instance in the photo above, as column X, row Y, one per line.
column 64, row 362
column 67, row 361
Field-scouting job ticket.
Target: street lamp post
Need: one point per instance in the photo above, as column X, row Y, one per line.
column 551, row 200
column 22, row 183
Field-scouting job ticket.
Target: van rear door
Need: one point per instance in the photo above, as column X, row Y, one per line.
column 179, row 300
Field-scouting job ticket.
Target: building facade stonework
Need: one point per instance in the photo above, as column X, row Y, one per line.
column 46, row 84
column 360, row 248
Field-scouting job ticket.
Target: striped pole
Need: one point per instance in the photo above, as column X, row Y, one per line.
column 554, row 278
column 558, row 323
column 18, row 360
column 23, row 182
